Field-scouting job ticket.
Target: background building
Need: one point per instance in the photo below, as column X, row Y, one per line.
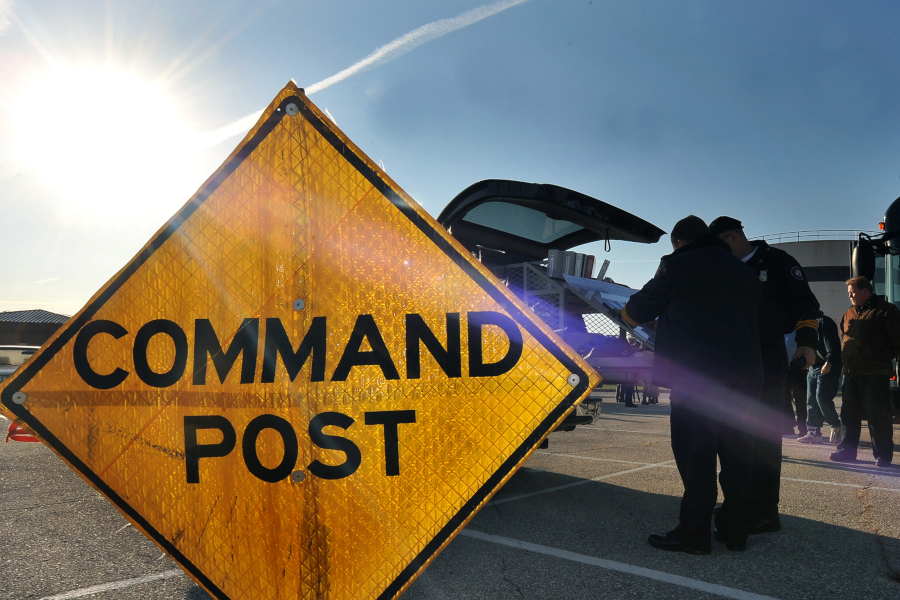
column 825, row 256
column 29, row 327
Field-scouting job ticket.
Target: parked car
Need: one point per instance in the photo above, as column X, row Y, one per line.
column 12, row 357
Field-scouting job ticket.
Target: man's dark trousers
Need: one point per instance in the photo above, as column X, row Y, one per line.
column 704, row 425
column 869, row 397
column 766, row 480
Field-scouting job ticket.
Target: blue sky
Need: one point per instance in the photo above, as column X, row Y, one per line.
column 784, row 115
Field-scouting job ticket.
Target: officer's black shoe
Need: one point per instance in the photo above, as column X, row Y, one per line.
column 671, row 542
column 763, row 525
column 883, row 463
column 731, row 544
column 843, row 456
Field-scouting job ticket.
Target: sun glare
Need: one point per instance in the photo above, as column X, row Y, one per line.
column 108, row 142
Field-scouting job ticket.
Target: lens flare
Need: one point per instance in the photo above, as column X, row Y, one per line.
column 106, row 141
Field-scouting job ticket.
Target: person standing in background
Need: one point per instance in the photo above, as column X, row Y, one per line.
column 822, row 385
column 796, row 395
column 870, row 331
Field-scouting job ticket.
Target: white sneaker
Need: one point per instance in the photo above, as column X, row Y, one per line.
column 836, row 435
column 812, row 438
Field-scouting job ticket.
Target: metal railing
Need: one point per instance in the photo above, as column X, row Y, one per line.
column 813, row 235
column 547, row 297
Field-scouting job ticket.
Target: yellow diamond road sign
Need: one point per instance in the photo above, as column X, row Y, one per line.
column 302, row 386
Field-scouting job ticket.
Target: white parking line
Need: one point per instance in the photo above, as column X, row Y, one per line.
column 849, row 485
column 687, row 582
column 612, row 460
column 669, row 465
column 577, row 483
column 115, row 585
column 627, row 431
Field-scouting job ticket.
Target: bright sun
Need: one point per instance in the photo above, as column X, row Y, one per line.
column 109, row 142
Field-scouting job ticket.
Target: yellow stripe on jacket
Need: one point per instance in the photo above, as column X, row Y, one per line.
column 628, row 319
column 808, row 323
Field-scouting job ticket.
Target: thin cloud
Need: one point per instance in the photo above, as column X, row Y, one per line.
column 217, row 136
column 45, row 280
column 184, row 64
column 8, row 16
column 5, row 11
column 384, row 54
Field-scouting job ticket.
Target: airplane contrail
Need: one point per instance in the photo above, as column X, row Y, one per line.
column 388, row 52
column 414, row 39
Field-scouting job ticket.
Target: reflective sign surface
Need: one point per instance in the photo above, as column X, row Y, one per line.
column 302, row 386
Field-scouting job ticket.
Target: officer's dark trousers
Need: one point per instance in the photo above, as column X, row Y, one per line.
column 766, row 480
column 707, row 424
column 868, row 397
column 796, row 390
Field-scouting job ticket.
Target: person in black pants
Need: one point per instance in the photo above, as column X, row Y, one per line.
column 651, row 393
column 625, row 393
column 870, row 330
column 796, row 391
column 629, row 396
column 786, row 305
column 708, row 355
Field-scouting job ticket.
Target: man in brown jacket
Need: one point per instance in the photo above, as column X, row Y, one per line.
column 870, row 335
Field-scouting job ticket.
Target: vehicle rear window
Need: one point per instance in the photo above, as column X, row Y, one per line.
column 520, row 221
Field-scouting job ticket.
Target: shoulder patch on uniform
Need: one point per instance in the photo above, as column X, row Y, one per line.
column 797, row 273
column 660, row 270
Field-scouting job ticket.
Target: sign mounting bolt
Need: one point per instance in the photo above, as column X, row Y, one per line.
column 291, row 109
column 299, row 304
column 298, row 476
column 574, row 379
column 19, row 397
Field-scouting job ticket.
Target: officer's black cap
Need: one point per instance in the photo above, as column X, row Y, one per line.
column 723, row 224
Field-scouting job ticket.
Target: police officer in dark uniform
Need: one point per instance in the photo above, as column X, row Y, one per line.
column 708, row 354
column 786, row 305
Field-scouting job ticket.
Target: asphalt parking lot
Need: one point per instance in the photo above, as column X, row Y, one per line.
column 572, row 524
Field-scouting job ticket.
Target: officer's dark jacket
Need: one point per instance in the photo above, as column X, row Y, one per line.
column 707, row 302
column 828, row 347
column 871, row 336
column 786, row 302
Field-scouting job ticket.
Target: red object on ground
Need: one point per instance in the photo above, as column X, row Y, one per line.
column 18, row 434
